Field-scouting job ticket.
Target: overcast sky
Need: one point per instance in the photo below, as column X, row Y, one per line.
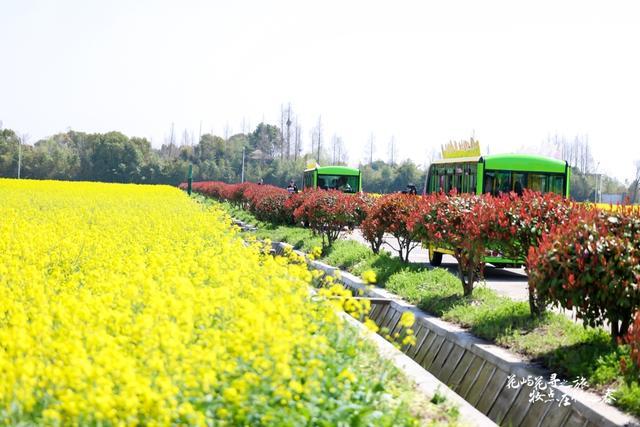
column 511, row 73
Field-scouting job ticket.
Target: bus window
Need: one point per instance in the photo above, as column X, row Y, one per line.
column 458, row 178
column 435, row 181
column 556, row 184
column 489, row 179
column 504, row 182
column 546, row 183
column 496, row 182
column 519, row 182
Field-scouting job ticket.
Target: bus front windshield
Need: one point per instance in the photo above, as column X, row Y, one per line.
column 348, row 184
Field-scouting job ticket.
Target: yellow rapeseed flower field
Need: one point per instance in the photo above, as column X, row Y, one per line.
column 134, row 305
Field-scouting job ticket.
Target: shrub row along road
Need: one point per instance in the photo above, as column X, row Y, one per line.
column 510, row 282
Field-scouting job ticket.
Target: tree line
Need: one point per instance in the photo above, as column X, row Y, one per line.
column 115, row 157
column 271, row 153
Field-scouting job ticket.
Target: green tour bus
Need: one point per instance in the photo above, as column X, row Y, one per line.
column 340, row 178
column 495, row 174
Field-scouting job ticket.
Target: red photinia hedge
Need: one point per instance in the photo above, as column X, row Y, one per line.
column 517, row 223
column 267, row 203
column 294, row 202
column 329, row 212
column 633, row 339
column 390, row 214
column 592, row 263
column 235, row 193
column 459, row 223
column 214, row 189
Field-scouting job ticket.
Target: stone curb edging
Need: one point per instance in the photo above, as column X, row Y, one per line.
column 425, row 381
column 456, row 350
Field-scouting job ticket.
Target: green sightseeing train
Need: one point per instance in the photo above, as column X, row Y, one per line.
column 495, row 174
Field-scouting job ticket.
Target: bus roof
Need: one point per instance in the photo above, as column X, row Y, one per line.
column 336, row 170
column 514, row 162
column 524, row 162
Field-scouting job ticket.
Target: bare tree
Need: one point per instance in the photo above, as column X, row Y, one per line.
column 392, row 150
column 171, row 141
column 185, row 137
column 635, row 185
column 227, row 131
column 341, row 155
column 297, row 141
column 576, row 152
column 338, row 154
column 318, row 134
column 245, row 126
column 370, row 149
column 22, row 140
column 288, row 123
column 282, row 124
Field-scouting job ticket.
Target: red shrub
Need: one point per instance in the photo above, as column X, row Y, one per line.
column 633, row 339
column 518, row 223
column 390, row 214
column 212, row 189
column 459, row 223
column 267, row 203
column 294, row 202
column 328, row 212
column 234, row 193
column 591, row 262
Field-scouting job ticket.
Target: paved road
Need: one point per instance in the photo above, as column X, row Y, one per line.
column 510, row 282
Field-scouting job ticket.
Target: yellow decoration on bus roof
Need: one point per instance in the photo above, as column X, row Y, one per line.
column 455, row 149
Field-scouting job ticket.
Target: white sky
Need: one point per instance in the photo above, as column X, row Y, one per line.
column 511, row 72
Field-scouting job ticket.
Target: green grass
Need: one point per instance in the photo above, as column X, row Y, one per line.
column 346, row 253
column 300, row 238
column 564, row 347
column 384, row 265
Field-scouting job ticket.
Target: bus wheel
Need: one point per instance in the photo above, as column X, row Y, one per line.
column 435, row 258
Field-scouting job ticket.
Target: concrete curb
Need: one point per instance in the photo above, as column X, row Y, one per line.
column 425, row 381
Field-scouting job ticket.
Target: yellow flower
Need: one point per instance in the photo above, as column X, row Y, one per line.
column 347, row 375
column 408, row 319
column 369, row 276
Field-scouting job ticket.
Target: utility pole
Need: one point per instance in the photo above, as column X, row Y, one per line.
column 19, row 155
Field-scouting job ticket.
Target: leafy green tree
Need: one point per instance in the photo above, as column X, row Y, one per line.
column 8, row 153
column 266, row 139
